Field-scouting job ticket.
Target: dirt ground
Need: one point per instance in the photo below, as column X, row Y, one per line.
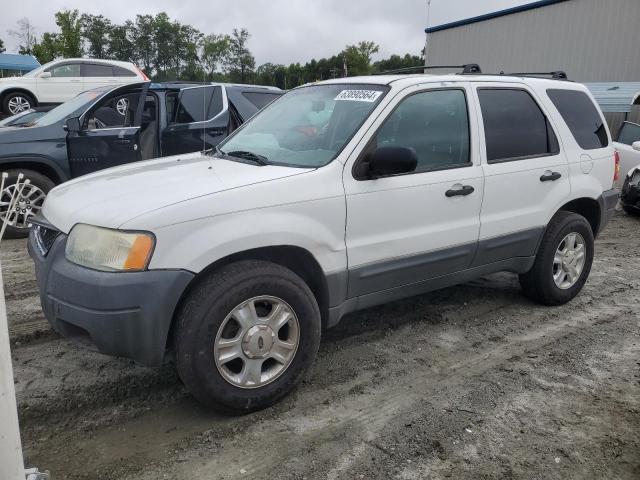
column 474, row 381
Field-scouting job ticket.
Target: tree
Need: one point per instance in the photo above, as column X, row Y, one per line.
column 358, row 57
column 395, row 62
column 26, row 36
column 70, row 33
column 120, row 46
column 95, row 31
column 215, row 50
column 2, row 49
column 240, row 63
column 144, row 41
column 48, row 49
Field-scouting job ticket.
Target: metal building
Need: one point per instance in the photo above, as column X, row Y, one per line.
column 591, row 40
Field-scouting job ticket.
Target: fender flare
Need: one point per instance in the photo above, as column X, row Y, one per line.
column 45, row 165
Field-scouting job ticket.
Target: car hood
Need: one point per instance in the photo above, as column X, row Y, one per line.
column 112, row 197
column 21, row 134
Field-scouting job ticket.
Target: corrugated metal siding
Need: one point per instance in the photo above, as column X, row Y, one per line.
column 614, row 96
column 592, row 40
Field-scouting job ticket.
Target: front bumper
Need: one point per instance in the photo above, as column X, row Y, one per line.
column 608, row 201
column 121, row 313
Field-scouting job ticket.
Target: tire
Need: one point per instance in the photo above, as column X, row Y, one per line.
column 539, row 283
column 16, row 102
column 203, row 319
column 33, row 198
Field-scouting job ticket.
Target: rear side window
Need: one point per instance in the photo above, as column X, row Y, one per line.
column 199, row 104
column 433, row 123
column 259, row 99
column 629, row 133
column 514, row 126
column 581, row 116
column 122, row 72
column 93, row 70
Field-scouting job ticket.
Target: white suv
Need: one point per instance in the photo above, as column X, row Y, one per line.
column 61, row 80
column 338, row 196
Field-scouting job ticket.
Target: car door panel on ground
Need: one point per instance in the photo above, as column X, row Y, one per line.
column 107, row 138
column 400, row 228
column 526, row 172
column 64, row 83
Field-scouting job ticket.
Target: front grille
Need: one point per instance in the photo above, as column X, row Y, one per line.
column 44, row 238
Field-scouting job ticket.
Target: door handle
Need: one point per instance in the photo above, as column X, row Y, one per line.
column 122, row 141
column 74, row 81
column 462, row 190
column 550, row 176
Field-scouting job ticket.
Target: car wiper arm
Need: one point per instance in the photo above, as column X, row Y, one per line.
column 245, row 155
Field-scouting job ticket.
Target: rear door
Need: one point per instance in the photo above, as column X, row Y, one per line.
column 107, row 138
column 199, row 120
column 64, row 83
column 97, row 75
column 526, row 172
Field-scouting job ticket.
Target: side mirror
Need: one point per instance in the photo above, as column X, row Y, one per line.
column 636, row 145
column 387, row 161
column 45, row 75
column 72, row 124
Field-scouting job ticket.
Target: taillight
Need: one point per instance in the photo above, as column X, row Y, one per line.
column 616, row 168
column 144, row 75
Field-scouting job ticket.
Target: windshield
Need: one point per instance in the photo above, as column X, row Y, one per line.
column 307, row 127
column 67, row 109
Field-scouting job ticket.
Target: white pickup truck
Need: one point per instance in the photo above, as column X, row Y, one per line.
column 340, row 195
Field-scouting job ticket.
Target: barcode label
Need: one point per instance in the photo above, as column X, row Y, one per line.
column 359, row 95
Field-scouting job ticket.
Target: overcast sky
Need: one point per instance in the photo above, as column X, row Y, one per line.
column 283, row 31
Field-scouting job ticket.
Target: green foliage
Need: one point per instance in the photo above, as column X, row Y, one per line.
column 70, row 37
column 2, row 49
column 169, row 50
column 239, row 63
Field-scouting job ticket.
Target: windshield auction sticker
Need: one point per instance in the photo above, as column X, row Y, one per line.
column 359, row 95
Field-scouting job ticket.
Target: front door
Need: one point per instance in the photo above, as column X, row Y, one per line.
column 64, row 83
column 526, row 172
column 108, row 138
column 408, row 228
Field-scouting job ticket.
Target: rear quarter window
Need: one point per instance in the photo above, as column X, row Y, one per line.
column 581, row 116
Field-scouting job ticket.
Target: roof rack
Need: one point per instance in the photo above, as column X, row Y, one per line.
column 555, row 75
column 469, row 68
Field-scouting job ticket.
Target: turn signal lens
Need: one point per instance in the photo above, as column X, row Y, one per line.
column 616, row 171
column 109, row 250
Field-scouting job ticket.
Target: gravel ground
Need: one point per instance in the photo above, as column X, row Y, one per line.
column 473, row 381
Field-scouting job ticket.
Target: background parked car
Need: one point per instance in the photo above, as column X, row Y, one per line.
column 25, row 118
column 629, row 153
column 105, row 127
column 61, row 80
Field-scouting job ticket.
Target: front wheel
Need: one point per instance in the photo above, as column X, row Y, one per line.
column 17, row 102
column 563, row 262
column 26, row 205
column 246, row 335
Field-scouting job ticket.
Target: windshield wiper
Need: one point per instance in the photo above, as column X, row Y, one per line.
column 245, row 155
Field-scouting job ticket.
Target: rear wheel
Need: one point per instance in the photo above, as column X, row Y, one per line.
column 563, row 262
column 17, row 102
column 28, row 204
column 246, row 335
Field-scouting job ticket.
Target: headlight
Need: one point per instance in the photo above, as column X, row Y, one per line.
column 109, row 250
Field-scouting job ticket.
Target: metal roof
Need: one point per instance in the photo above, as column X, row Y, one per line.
column 11, row 61
column 615, row 96
column 488, row 16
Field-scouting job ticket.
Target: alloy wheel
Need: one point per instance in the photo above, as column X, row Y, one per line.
column 26, row 206
column 569, row 260
column 18, row 104
column 256, row 342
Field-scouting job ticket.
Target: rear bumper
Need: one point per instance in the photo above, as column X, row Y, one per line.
column 608, row 201
column 121, row 313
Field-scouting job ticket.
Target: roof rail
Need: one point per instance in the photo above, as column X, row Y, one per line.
column 469, row 68
column 556, row 74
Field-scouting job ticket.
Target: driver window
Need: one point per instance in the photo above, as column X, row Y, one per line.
column 435, row 124
column 66, row 70
column 114, row 112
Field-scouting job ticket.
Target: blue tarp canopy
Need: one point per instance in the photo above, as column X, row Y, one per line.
column 11, row 61
column 615, row 96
